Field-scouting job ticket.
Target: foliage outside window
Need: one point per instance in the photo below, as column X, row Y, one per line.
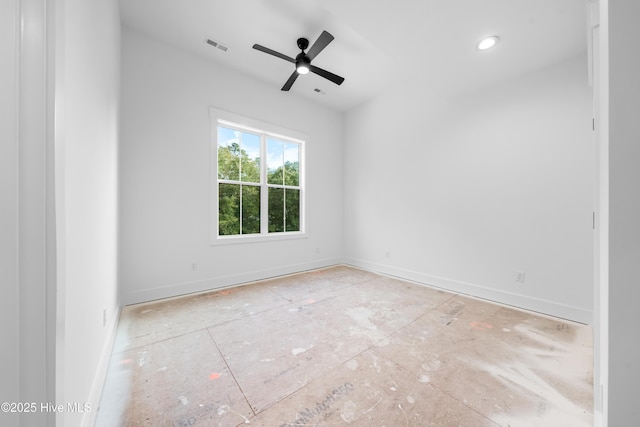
column 259, row 190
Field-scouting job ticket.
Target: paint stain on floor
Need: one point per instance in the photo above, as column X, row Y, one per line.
column 343, row 346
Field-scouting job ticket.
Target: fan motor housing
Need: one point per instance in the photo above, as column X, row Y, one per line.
column 302, row 58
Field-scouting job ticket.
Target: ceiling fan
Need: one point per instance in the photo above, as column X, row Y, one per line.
column 303, row 60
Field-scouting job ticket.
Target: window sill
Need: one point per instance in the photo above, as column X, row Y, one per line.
column 238, row 240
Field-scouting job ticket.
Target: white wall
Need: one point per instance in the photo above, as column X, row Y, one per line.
column 9, row 391
column 165, row 174
column 624, row 211
column 87, row 185
column 464, row 192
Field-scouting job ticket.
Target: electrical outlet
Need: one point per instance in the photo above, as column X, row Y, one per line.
column 387, row 253
column 520, row 276
column 194, row 266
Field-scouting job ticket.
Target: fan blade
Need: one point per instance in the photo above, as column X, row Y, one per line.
column 289, row 82
column 322, row 42
column 326, row 74
column 274, row 53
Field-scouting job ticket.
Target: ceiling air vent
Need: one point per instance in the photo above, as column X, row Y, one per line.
column 216, row 44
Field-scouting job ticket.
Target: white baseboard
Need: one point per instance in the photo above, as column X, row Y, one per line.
column 526, row 302
column 598, row 419
column 89, row 418
column 169, row 291
column 538, row 305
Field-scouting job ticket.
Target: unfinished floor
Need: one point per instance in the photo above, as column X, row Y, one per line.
column 342, row 346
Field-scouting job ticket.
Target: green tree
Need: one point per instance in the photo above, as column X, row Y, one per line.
column 228, row 209
column 291, row 173
column 284, row 203
column 234, row 164
column 237, row 203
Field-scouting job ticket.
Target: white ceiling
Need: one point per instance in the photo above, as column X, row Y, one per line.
column 378, row 43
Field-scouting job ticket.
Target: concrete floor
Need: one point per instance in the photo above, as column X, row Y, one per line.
column 342, row 346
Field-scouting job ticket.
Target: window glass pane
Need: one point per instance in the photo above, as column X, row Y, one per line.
column 250, row 160
column 250, row 209
column 247, row 176
column 228, row 209
column 292, row 207
column 276, row 210
column 291, row 164
column 228, row 154
column 275, row 161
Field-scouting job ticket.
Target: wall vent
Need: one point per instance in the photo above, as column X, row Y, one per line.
column 216, row 44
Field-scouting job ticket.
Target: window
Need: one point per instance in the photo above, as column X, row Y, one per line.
column 258, row 180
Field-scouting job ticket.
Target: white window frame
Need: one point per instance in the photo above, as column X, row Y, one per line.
column 224, row 118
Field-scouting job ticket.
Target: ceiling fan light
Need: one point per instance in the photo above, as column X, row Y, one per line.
column 487, row 43
column 303, row 63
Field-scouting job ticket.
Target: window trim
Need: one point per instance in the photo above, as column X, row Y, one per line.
column 220, row 117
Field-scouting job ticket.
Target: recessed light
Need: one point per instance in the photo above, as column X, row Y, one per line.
column 487, row 43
